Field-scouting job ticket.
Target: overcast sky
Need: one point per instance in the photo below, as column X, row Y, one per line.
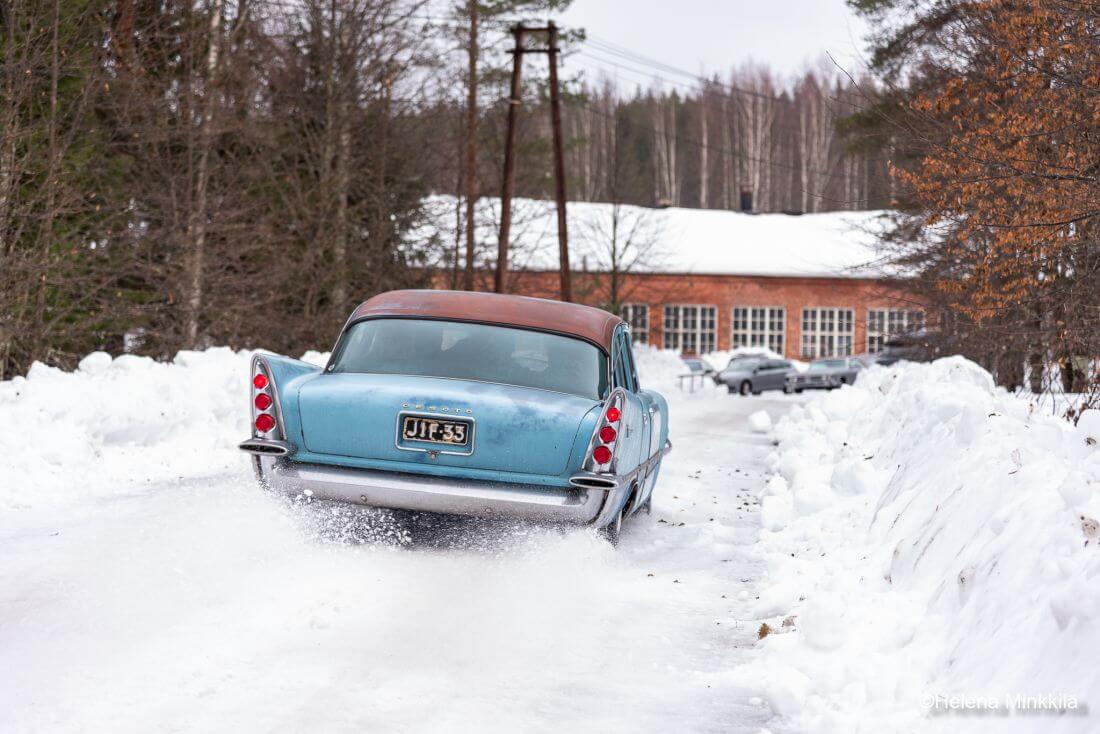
column 713, row 35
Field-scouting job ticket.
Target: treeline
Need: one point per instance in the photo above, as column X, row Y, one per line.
column 182, row 173
column 748, row 141
column 994, row 109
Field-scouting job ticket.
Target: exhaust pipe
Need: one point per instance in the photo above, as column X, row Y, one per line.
column 593, row 481
column 267, row 447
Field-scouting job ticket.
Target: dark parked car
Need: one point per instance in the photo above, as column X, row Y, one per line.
column 826, row 374
column 755, row 375
column 909, row 347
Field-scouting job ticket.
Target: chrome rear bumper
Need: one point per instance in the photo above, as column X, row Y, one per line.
column 423, row 493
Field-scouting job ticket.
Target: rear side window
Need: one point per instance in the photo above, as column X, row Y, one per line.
column 464, row 351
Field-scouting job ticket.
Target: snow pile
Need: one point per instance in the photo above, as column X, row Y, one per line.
column 659, row 369
column 927, row 535
column 118, row 422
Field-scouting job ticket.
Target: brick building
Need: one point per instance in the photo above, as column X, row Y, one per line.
column 805, row 286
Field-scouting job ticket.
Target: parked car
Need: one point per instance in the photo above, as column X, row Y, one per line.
column 469, row 404
column 909, row 347
column 755, row 375
column 826, row 374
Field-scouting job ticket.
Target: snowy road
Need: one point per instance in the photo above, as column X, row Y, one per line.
column 202, row 605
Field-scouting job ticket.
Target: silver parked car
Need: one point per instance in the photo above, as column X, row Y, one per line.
column 755, row 375
column 826, row 374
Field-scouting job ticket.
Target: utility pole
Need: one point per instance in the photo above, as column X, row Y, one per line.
column 470, row 184
column 509, row 162
column 559, row 165
column 552, row 51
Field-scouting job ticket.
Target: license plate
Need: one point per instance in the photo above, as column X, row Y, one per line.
column 435, row 430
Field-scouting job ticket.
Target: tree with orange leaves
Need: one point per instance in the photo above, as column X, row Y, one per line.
column 996, row 104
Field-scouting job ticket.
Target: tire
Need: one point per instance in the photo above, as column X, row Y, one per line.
column 798, row 391
column 746, row 387
column 647, row 506
column 787, row 389
column 613, row 530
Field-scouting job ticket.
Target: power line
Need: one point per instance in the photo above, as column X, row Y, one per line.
column 624, row 53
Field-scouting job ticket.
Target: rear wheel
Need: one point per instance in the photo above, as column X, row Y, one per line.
column 613, row 529
column 746, row 387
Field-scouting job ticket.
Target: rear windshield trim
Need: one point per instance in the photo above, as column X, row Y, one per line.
column 353, row 322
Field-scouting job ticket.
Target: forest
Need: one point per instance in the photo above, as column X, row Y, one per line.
column 183, row 173
column 175, row 174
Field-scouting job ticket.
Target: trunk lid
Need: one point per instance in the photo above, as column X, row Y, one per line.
column 515, row 429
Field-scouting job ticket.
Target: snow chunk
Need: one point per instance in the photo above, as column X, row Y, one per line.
column 95, row 363
column 760, row 422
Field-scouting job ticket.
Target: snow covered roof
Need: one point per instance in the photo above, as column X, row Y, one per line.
column 674, row 240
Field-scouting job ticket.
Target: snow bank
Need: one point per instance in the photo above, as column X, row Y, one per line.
column 926, row 535
column 117, row 422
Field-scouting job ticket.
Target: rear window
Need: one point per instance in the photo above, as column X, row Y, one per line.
column 480, row 352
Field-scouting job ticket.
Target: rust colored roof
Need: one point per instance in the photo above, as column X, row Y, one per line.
column 571, row 319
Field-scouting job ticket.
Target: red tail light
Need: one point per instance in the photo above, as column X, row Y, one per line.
column 603, row 445
column 265, row 411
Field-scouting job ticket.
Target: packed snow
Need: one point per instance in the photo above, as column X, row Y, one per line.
column 676, row 240
column 916, row 541
column 931, row 542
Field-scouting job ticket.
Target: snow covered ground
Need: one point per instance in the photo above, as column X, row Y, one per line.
column 927, row 542
column 148, row 585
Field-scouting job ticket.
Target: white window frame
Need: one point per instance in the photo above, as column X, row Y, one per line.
column 693, row 330
column 827, row 331
column 759, row 326
column 639, row 327
column 883, row 323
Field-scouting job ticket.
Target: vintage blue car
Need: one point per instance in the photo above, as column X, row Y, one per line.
column 465, row 403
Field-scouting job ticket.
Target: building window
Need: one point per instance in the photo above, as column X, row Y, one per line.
column 827, row 332
column 691, row 329
column 759, row 326
column 637, row 316
column 883, row 323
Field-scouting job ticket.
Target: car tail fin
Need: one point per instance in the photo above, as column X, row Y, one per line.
column 602, row 455
column 267, row 415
